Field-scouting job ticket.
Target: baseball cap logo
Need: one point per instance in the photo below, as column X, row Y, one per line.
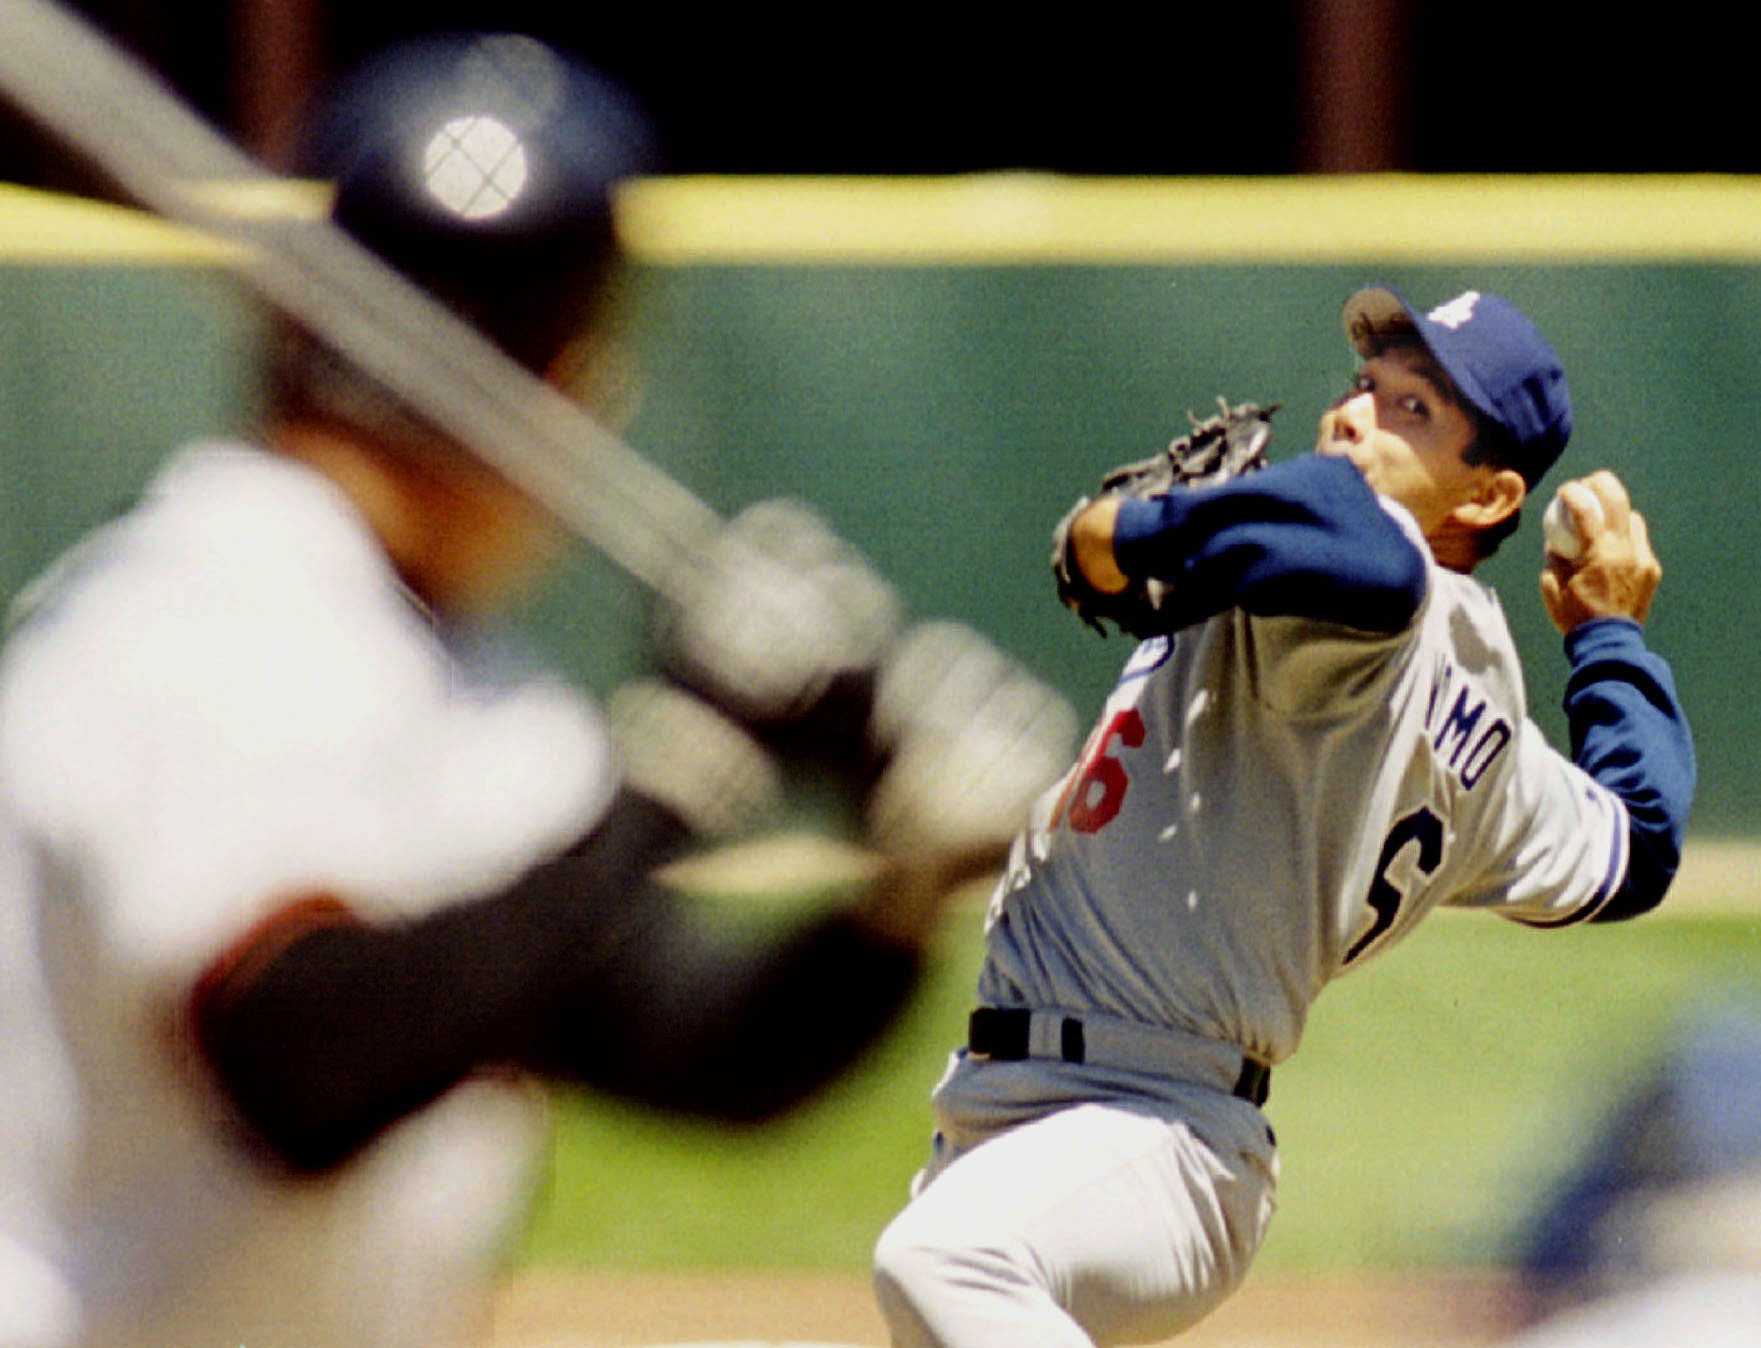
column 1452, row 314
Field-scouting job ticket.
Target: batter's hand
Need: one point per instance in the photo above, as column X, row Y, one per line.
column 1616, row 573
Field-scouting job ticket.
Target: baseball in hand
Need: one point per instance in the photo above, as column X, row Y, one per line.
column 1559, row 527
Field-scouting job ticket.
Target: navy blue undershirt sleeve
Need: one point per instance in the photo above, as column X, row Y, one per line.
column 1306, row 538
column 1629, row 732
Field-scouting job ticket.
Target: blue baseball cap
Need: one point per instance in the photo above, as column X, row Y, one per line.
column 1493, row 354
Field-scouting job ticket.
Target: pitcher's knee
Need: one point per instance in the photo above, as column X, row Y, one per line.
column 905, row 1273
column 933, row 1294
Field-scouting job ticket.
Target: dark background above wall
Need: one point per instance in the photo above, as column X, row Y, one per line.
column 1265, row 87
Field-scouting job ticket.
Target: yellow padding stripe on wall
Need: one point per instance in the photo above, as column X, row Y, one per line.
column 46, row 227
column 1028, row 218
column 1034, row 218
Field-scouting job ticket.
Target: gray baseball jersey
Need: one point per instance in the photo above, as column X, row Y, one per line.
column 1267, row 802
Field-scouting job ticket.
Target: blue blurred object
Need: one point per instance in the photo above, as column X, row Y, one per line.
column 1693, row 1120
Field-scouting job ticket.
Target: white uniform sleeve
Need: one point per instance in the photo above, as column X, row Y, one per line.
column 191, row 746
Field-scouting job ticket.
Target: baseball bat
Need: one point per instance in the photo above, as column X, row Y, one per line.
column 116, row 113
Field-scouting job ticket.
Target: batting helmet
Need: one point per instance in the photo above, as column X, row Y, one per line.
column 482, row 165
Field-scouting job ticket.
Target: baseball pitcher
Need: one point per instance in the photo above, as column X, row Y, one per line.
column 1319, row 738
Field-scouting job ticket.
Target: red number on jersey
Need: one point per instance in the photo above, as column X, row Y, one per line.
column 1098, row 781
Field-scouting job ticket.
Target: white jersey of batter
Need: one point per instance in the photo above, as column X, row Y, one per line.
column 221, row 702
column 1267, row 802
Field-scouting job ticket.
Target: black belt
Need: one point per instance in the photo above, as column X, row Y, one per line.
column 1005, row 1033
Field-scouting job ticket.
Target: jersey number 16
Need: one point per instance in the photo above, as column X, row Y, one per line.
column 1097, row 784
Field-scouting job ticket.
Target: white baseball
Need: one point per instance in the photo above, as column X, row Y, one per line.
column 1559, row 527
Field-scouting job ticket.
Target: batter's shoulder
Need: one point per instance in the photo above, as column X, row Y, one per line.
column 207, row 623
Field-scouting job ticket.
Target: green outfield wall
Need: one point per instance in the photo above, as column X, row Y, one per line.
column 941, row 366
